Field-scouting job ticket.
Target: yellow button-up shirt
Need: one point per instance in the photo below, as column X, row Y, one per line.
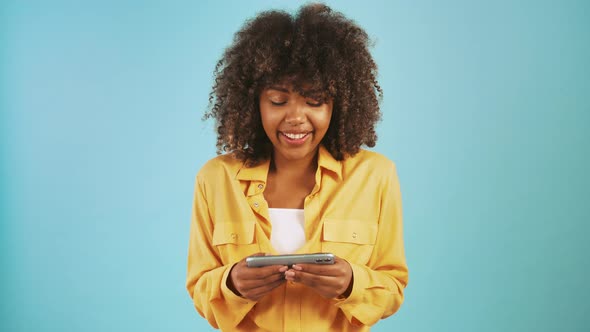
column 354, row 211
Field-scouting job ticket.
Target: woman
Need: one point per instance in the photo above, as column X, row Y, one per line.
column 294, row 99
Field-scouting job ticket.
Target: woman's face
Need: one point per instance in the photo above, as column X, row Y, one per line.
column 294, row 124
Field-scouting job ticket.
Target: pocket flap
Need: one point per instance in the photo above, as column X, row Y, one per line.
column 233, row 232
column 351, row 231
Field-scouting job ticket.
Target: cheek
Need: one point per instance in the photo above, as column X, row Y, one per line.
column 268, row 123
column 321, row 123
column 324, row 120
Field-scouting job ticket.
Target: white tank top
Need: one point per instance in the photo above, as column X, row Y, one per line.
column 288, row 229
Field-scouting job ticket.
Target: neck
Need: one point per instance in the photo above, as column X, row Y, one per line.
column 299, row 167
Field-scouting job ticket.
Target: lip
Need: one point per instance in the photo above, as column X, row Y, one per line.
column 291, row 141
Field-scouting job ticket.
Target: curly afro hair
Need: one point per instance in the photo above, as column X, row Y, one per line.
column 317, row 48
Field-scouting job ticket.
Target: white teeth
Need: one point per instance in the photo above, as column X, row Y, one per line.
column 294, row 136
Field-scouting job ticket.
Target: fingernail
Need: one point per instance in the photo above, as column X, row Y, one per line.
column 289, row 274
column 283, row 269
column 297, row 267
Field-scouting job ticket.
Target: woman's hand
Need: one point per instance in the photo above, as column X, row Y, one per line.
column 253, row 283
column 330, row 281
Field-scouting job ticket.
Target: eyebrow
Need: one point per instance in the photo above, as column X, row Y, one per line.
column 309, row 93
column 278, row 88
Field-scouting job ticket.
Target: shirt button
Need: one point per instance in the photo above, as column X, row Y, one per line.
column 255, row 204
column 260, row 186
column 233, row 236
column 354, row 235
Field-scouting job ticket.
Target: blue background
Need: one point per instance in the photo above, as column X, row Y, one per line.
column 486, row 113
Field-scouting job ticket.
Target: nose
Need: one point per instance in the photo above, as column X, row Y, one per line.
column 295, row 114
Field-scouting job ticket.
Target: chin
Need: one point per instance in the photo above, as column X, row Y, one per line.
column 298, row 154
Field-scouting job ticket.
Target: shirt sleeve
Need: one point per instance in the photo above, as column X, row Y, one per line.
column 378, row 287
column 206, row 275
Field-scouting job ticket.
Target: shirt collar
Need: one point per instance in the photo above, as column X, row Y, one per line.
column 326, row 161
column 260, row 171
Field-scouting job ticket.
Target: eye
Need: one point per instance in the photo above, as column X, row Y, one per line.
column 278, row 103
column 314, row 103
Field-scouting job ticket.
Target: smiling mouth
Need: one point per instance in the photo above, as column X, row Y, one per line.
column 295, row 136
column 295, row 139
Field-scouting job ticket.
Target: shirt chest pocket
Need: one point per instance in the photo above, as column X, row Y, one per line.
column 234, row 240
column 352, row 240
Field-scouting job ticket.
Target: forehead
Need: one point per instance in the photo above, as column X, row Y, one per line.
column 288, row 88
column 304, row 88
column 294, row 82
column 301, row 83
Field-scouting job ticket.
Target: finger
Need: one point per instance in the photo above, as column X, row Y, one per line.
column 255, row 283
column 320, row 269
column 327, row 286
column 263, row 272
column 340, row 267
column 259, row 292
column 309, row 279
column 244, row 278
column 256, row 273
column 315, row 280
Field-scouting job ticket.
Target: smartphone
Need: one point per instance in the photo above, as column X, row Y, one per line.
column 318, row 258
